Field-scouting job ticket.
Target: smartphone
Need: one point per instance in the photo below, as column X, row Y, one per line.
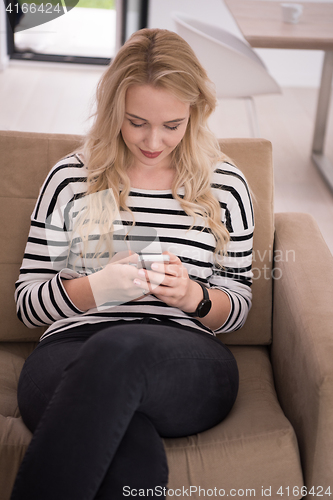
column 146, row 260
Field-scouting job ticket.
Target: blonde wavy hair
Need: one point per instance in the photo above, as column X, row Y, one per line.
column 162, row 59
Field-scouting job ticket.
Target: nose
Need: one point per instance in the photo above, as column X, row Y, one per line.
column 153, row 139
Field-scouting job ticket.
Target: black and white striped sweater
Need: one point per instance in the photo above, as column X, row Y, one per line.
column 40, row 296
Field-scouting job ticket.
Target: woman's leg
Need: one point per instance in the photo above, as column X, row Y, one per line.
column 183, row 382
column 39, row 378
column 139, row 463
column 41, row 374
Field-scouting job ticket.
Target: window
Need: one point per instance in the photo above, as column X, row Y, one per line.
column 75, row 31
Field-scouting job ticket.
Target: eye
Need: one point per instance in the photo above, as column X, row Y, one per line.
column 137, row 125
column 172, row 128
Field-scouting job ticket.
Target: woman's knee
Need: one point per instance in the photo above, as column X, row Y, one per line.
column 121, row 349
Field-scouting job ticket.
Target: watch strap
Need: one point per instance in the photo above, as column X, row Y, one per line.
column 205, row 301
column 204, row 289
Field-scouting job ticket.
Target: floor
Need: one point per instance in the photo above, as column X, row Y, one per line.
column 59, row 98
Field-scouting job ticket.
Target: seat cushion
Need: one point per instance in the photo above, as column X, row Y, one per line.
column 14, row 436
column 254, row 447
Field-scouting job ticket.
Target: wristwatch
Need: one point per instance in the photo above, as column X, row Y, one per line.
column 204, row 305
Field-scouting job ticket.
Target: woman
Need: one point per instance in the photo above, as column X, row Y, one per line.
column 130, row 355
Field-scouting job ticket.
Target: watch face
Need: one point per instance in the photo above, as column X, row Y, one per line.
column 204, row 308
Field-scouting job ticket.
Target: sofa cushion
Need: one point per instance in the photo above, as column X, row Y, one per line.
column 12, row 329
column 14, row 440
column 256, row 434
column 15, row 220
column 27, row 157
column 12, row 357
column 14, row 435
column 254, row 158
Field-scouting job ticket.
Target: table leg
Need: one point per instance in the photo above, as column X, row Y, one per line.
column 324, row 164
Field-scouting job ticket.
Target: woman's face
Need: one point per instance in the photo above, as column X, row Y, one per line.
column 154, row 124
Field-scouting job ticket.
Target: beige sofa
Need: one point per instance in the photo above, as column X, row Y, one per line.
column 279, row 435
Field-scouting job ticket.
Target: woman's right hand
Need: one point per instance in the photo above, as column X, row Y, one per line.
column 115, row 282
column 118, row 282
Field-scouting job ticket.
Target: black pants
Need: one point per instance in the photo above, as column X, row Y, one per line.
column 98, row 401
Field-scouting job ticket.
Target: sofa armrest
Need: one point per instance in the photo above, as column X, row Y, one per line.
column 302, row 349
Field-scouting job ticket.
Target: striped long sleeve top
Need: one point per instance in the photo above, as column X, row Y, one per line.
column 54, row 253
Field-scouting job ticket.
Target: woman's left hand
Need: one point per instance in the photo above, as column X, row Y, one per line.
column 176, row 288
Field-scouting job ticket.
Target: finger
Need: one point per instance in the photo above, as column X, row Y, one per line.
column 159, row 267
column 165, row 293
column 125, row 258
column 152, row 277
column 173, row 258
column 144, row 286
column 176, row 271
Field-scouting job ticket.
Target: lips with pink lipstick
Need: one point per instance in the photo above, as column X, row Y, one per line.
column 150, row 154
